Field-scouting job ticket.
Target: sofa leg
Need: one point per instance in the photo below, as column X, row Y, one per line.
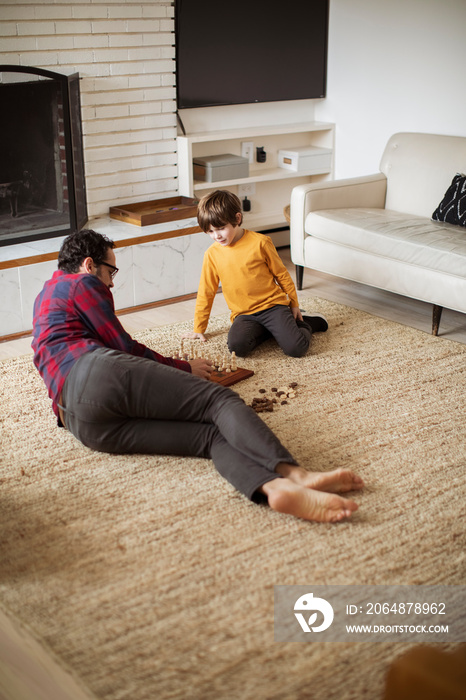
column 436, row 315
column 299, row 276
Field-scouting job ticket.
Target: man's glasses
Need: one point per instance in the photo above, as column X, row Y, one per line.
column 114, row 269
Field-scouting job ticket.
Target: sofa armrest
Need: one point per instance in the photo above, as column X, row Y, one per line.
column 367, row 191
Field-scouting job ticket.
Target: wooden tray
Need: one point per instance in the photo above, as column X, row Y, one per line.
column 157, row 211
column 229, row 378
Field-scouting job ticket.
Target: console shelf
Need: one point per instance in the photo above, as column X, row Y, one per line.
column 272, row 185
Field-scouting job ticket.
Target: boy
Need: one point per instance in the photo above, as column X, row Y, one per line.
column 256, row 285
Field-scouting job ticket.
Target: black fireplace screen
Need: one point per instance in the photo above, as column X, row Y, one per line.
column 42, row 185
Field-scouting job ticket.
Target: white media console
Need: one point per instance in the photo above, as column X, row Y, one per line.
column 268, row 186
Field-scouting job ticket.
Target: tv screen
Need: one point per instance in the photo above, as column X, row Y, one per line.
column 249, row 51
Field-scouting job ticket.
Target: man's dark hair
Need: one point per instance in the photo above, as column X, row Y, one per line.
column 81, row 245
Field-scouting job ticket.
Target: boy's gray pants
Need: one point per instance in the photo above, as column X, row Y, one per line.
column 119, row 403
column 250, row 330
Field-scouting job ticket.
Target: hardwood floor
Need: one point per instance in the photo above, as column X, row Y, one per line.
column 409, row 312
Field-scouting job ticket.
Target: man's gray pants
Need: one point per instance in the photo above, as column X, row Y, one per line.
column 122, row 404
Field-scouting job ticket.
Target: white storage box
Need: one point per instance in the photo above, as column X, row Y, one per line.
column 224, row 166
column 312, row 159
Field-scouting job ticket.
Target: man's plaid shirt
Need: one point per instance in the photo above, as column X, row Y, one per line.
column 75, row 314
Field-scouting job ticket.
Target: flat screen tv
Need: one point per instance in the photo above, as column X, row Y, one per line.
column 248, row 51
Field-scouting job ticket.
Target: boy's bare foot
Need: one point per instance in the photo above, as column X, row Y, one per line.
column 286, row 496
column 336, row 481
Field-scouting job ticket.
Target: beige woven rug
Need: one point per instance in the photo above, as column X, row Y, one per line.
column 152, row 578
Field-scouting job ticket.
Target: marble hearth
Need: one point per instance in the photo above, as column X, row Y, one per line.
column 157, row 262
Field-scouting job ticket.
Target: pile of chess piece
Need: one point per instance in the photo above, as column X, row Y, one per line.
column 280, row 396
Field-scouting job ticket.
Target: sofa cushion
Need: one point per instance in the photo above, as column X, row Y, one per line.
column 411, row 239
column 452, row 208
column 418, row 168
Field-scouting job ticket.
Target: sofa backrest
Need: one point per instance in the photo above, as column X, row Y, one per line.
column 419, row 169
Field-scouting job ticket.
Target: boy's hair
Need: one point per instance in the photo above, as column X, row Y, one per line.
column 217, row 209
column 81, row 245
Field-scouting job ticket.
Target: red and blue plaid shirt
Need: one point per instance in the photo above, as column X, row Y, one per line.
column 75, row 314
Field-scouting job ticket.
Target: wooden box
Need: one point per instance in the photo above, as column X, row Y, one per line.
column 156, row 211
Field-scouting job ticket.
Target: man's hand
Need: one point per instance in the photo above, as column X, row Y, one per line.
column 296, row 313
column 195, row 336
column 201, row 367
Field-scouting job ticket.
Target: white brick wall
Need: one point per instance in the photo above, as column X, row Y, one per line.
column 124, row 54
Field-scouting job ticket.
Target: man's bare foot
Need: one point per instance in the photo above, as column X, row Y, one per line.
column 336, row 481
column 285, row 496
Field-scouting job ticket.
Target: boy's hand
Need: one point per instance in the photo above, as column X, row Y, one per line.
column 296, row 313
column 196, row 336
column 201, row 368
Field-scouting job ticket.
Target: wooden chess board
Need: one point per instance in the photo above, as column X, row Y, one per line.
column 229, row 378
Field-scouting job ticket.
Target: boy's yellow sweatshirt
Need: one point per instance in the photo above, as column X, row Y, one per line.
column 252, row 275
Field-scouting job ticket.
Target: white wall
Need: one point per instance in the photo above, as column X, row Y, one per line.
column 393, row 65
column 249, row 115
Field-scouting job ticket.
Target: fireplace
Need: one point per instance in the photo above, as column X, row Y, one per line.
column 42, row 185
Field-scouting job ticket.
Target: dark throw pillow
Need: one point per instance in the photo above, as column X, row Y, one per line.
column 452, row 208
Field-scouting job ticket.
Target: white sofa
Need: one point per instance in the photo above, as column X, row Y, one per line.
column 378, row 230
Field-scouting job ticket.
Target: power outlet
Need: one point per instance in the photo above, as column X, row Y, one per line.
column 247, row 150
column 246, row 190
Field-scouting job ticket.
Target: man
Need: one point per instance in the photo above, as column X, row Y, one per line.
column 116, row 395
